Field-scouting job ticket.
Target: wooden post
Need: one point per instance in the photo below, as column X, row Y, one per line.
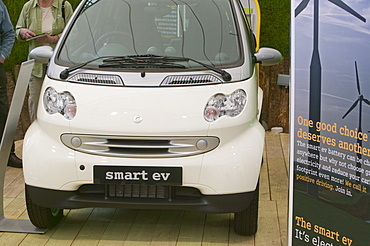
column 275, row 108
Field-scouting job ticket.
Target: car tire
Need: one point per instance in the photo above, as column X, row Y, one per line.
column 245, row 222
column 42, row 217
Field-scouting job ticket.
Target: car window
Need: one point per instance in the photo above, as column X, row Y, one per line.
column 201, row 30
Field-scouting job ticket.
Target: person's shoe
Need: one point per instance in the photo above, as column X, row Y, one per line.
column 14, row 161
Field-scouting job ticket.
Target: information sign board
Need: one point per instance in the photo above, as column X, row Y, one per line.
column 330, row 115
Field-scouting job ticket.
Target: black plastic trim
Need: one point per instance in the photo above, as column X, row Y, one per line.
column 229, row 203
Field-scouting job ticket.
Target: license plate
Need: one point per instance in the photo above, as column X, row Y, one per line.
column 138, row 175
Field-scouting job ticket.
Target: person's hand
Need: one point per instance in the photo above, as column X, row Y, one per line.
column 2, row 60
column 48, row 39
column 25, row 33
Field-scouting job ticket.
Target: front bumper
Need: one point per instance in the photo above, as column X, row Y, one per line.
column 175, row 197
column 233, row 167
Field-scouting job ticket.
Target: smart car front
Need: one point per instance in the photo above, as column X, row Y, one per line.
column 160, row 110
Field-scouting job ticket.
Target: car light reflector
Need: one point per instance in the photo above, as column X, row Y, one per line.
column 63, row 103
column 229, row 105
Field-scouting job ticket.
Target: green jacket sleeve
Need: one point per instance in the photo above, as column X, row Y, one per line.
column 21, row 23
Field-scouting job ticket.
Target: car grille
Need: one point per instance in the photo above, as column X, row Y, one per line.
column 100, row 79
column 137, row 191
column 140, row 191
column 140, row 147
column 172, row 80
column 190, row 80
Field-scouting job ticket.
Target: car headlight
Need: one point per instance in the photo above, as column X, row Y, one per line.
column 229, row 105
column 63, row 103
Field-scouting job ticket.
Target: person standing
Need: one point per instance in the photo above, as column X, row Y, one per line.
column 7, row 37
column 41, row 17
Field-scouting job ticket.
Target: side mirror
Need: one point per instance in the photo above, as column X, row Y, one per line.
column 41, row 54
column 268, row 56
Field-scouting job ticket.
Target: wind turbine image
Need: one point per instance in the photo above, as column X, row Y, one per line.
column 315, row 75
column 359, row 102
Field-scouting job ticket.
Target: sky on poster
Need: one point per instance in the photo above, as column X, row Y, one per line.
column 343, row 39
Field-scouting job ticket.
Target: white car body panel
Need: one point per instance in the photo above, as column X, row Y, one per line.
column 233, row 167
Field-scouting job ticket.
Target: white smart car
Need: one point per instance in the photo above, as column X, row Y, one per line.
column 149, row 104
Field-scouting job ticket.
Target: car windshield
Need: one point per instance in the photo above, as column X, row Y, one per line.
column 200, row 30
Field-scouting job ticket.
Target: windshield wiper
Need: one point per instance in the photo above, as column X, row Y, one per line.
column 141, row 61
column 145, row 58
column 225, row 75
column 144, row 61
column 64, row 74
column 141, row 65
column 156, row 58
column 133, row 58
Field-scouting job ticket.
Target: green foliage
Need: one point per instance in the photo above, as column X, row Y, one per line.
column 275, row 30
column 275, row 25
column 20, row 48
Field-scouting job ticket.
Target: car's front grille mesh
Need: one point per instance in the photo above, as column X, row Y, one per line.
column 171, row 80
column 190, row 80
column 100, row 79
column 138, row 191
column 140, row 147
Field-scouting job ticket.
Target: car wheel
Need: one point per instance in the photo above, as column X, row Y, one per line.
column 245, row 222
column 42, row 217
